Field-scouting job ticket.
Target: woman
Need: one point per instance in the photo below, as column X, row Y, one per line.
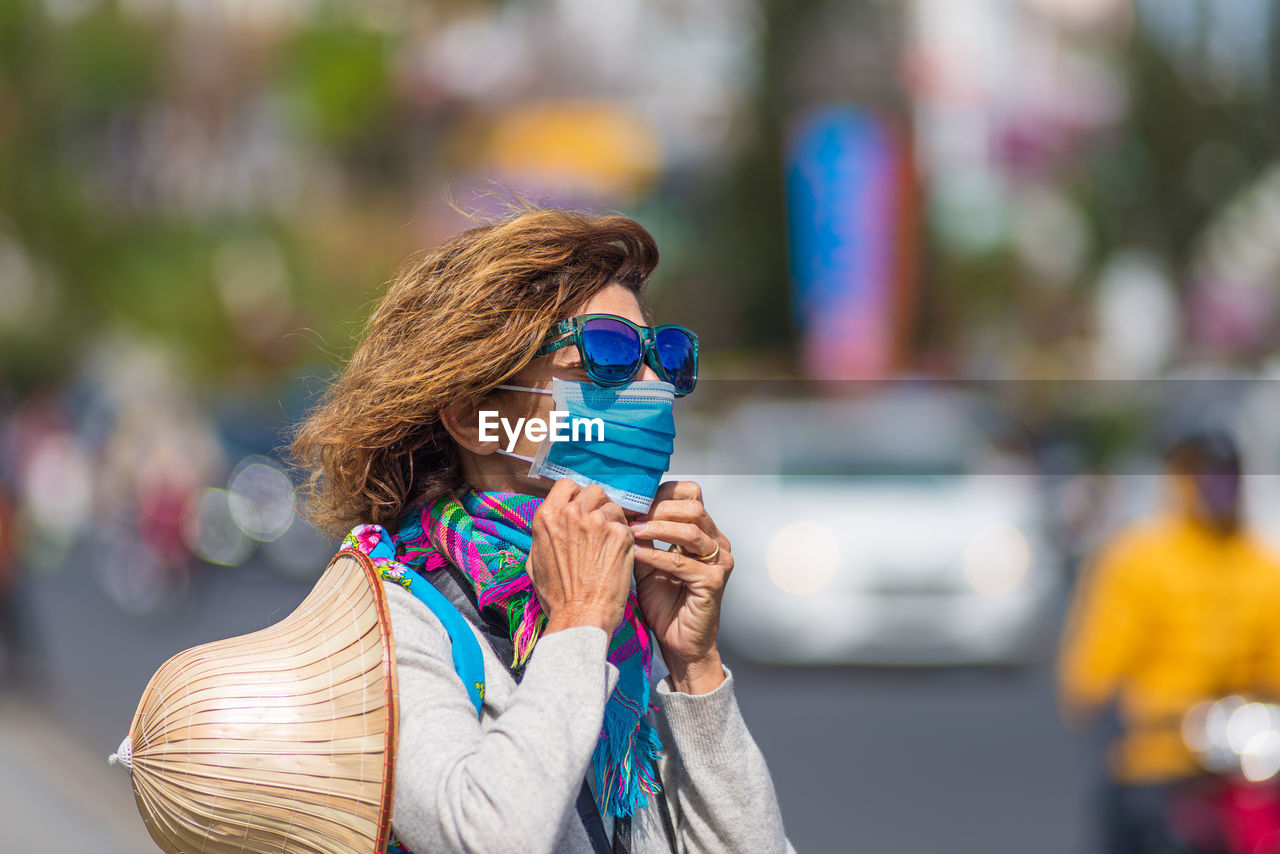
column 502, row 323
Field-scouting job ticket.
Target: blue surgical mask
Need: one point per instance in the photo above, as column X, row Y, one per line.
column 637, row 421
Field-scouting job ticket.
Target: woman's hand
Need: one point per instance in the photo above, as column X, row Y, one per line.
column 680, row 594
column 581, row 559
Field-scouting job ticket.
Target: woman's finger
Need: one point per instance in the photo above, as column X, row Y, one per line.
column 677, row 510
column 680, row 489
column 688, row 536
column 591, row 497
column 645, row 574
column 688, row 569
column 614, row 512
column 561, row 492
column 682, row 510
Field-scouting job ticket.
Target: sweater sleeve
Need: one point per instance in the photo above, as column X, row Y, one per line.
column 504, row 784
column 717, row 781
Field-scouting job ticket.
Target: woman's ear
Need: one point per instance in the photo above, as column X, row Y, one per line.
column 464, row 423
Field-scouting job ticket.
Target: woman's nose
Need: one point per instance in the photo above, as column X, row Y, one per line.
column 647, row 373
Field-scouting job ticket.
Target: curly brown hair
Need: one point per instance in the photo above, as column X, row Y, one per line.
column 455, row 322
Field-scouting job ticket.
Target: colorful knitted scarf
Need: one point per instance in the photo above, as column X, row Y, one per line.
column 488, row 535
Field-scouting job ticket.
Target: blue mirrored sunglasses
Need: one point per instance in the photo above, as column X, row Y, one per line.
column 613, row 349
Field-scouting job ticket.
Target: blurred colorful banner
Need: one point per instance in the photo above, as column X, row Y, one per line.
column 850, row 234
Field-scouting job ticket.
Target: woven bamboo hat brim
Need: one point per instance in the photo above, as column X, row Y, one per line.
column 280, row 740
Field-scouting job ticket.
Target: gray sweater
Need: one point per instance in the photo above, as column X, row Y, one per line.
column 509, row 781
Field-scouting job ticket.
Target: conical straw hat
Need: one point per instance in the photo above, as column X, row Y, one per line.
column 280, row 740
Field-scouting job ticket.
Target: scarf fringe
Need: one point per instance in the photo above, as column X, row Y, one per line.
column 463, row 530
column 528, row 631
column 622, row 784
column 435, row 560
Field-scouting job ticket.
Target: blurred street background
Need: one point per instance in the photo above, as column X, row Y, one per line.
column 960, row 268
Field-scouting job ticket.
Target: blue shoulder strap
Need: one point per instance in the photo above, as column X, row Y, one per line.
column 469, row 663
column 467, row 658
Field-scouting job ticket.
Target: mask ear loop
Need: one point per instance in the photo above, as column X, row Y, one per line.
column 506, row 387
column 532, row 461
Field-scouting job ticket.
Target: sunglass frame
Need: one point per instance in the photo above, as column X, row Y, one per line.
column 572, row 329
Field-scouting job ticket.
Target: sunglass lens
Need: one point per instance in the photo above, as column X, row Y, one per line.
column 678, row 357
column 611, row 350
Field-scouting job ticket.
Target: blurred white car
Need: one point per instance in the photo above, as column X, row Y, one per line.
column 884, row 530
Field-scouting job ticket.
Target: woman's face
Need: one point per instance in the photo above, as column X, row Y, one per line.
column 493, row 471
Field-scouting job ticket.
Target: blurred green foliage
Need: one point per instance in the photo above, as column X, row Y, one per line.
column 108, row 248
column 339, row 78
column 1185, row 148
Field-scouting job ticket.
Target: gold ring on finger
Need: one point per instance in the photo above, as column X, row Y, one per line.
column 675, row 549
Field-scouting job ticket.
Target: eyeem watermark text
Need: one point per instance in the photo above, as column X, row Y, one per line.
column 559, row 428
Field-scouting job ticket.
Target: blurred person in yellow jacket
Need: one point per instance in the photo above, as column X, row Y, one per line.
column 1175, row 610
